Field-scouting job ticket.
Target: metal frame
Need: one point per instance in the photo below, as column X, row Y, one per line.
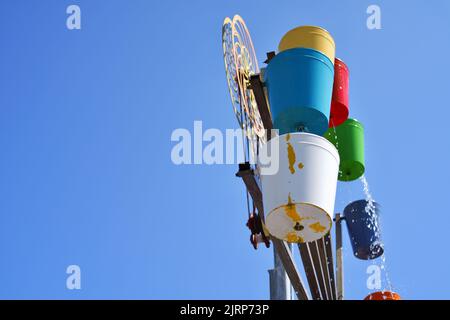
column 339, row 258
column 317, row 260
column 317, row 257
column 281, row 247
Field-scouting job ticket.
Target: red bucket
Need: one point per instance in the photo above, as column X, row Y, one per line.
column 339, row 102
column 383, row 295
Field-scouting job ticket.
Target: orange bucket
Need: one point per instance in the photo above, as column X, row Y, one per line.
column 383, row 295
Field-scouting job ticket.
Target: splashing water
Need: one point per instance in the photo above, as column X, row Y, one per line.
column 373, row 223
column 370, row 201
column 336, row 140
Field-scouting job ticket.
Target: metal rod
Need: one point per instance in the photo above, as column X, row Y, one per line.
column 280, row 286
column 283, row 251
column 257, row 87
column 324, row 265
column 339, row 259
column 315, row 254
column 329, row 255
column 309, row 271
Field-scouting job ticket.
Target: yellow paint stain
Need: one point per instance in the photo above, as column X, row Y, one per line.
column 301, row 165
column 291, row 157
column 293, row 237
column 317, row 227
column 291, row 210
column 288, row 137
column 291, row 154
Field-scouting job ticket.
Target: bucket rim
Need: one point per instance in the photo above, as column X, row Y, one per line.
column 304, row 203
column 310, row 28
column 370, row 256
column 357, row 167
column 348, row 206
column 327, row 214
column 333, row 150
column 352, row 122
column 328, row 62
column 341, row 115
column 380, row 294
column 305, row 36
column 341, row 63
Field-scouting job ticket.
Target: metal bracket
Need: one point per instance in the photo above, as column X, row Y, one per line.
column 257, row 86
column 247, row 175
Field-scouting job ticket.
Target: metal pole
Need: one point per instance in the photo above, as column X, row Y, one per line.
column 339, row 259
column 280, row 286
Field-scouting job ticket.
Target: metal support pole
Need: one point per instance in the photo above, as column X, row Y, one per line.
column 280, row 286
column 339, row 259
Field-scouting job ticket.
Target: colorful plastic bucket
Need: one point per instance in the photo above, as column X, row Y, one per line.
column 299, row 195
column 311, row 37
column 348, row 138
column 339, row 101
column 383, row 295
column 363, row 224
column 299, row 84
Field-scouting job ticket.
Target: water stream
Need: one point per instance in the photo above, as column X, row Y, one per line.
column 374, row 224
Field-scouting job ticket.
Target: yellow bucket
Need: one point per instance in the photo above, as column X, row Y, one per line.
column 309, row 37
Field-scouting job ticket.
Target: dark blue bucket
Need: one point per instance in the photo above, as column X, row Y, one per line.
column 363, row 223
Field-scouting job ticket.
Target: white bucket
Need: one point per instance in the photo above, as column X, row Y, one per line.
column 299, row 197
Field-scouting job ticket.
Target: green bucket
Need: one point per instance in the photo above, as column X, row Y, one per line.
column 348, row 138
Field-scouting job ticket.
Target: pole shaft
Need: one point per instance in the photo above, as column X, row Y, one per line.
column 280, row 286
column 339, row 259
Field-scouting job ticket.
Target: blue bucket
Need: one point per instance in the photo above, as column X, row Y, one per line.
column 299, row 83
column 363, row 223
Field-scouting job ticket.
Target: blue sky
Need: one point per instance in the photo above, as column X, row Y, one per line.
column 86, row 118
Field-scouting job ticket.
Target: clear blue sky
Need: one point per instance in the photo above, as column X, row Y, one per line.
column 86, row 117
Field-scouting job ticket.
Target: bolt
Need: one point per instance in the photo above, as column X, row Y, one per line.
column 301, row 128
column 298, row 227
